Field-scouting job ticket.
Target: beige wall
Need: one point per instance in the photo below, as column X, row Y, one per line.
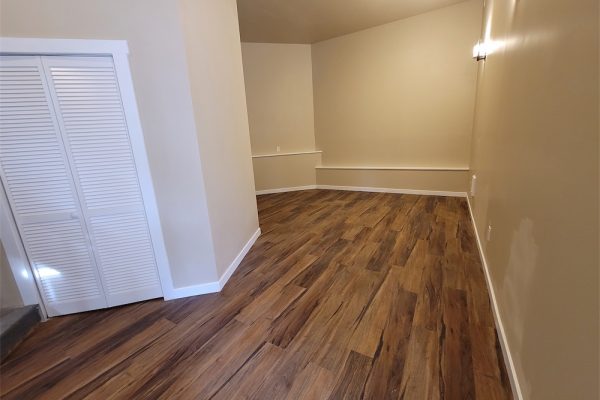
column 9, row 293
column 400, row 94
column 158, row 62
column 217, row 83
column 279, row 94
column 445, row 181
column 536, row 158
column 285, row 172
column 379, row 99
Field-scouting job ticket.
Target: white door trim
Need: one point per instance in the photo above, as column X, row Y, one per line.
column 40, row 47
column 17, row 257
column 118, row 50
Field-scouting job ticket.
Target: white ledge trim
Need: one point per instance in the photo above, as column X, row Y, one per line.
column 297, row 153
column 390, row 168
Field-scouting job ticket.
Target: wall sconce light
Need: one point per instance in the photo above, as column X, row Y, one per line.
column 480, row 51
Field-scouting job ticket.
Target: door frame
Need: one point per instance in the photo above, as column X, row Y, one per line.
column 17, row 257
column 119, row 51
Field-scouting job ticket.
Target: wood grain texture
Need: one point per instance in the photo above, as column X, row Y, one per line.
column 346, row 295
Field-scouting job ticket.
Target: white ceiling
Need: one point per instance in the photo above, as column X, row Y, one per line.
column 310, row 21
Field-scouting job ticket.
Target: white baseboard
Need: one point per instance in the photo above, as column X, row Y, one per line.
column 283, row 190
column 512, row 373
column 236, row 262
column 296, row 153
column 217, row 286
column 365, row 189
column 389, row 168
column 193, row 290
column 391, row 190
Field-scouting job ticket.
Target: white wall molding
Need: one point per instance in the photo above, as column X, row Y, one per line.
column 298, row 153
column 391, row 168
column 284, row 190
column 512, row 373
column 216, row 286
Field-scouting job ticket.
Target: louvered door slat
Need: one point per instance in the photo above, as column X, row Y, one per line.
column 87, row 100
column 38, row 181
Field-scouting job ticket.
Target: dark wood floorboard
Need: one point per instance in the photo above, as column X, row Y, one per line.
column 346, row 295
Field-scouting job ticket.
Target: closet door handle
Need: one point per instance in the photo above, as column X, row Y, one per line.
column 74, row 215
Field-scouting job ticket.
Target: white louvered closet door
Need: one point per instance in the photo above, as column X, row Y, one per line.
column 38, row 182
column 68, row 169
column 87, row 101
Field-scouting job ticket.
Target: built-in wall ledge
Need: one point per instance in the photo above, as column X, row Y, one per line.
column 297, row 153
column 390, row 168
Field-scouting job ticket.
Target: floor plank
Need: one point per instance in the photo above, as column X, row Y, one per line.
column 346, row 295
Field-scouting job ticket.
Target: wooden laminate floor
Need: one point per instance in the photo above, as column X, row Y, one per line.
column 346, row 295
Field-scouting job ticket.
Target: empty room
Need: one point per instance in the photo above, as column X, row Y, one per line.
column 300, row 199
